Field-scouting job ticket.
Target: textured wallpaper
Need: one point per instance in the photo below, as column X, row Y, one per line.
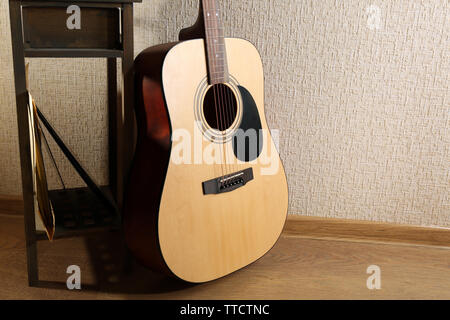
column 358, row 89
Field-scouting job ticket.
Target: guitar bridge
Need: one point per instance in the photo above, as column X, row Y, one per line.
column 228, row 183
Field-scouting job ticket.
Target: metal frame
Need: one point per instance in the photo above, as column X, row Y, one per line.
column 121, row 129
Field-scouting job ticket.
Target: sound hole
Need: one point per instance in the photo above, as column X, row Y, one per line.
column 220, row 107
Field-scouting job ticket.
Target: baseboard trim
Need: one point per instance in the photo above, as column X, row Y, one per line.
column 11, row 205
column 322, row 228
column 355, row 230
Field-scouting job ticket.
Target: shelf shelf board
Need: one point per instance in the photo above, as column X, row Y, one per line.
column 72, row 53
column 78, row 211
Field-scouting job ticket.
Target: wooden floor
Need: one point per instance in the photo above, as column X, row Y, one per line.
column 297, row 268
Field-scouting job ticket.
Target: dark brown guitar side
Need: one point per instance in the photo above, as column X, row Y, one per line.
column 151, row 160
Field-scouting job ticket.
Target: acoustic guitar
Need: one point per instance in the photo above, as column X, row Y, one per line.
column 207, row 193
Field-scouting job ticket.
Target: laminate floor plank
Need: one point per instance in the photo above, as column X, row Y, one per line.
column 296, row 268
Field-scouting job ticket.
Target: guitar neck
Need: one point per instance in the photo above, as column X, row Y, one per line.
column 215, row 42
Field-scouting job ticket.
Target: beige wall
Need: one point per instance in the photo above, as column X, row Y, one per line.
column 363, row 112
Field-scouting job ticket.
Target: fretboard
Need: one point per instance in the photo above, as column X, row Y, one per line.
column 215, row 43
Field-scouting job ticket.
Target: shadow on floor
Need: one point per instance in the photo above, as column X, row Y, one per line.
column 116, row 271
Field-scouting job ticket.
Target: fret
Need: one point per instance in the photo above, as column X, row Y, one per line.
column 216, row 53
column 217, row 74
column 212, row 17
column 219, row 59
column 215, row 70
column 214, row 34
column 213, row 21
column 216, row 67
column 213, row 28
column 213, row 52
column 219, row 51
column 219, row 80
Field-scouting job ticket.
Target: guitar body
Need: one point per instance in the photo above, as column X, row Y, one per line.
column 175, row 222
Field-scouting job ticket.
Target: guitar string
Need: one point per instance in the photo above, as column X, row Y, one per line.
column 224, row 127
column 227, row 126
column 220, row 124
column 214, row 164
column 216, row 105
column 222, row 104
column 223, row 87
column 230, row 115
column 217, row 121
column 233, row 116
column 228, row 119
column 225, row 92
